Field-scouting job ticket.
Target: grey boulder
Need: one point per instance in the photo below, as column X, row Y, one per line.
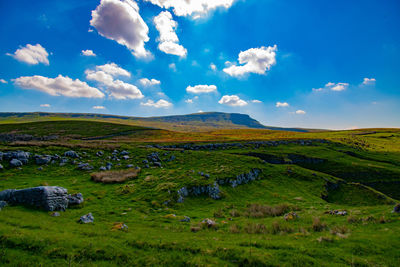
column 75, row 199
column 42, row 160
column 3, row 204
column 15, row 163
column 49, row 198
column 88, row 218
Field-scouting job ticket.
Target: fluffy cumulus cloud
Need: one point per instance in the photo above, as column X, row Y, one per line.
column 333, row 87
column 31, row 54
column 147, row 82
column 201, row 89
column 45, row 105
column 300, row 112
column 256, row 101
column 88, row 53
column 3, row 81
column 369, row 81
column 232, row 100
column 105, row 75
column 119, row 20
column 169, row 41
column 213, row 67
column 59, row 86
column 98, row 107
column 254, row 60
column 281, row 104
column 159, row 104
column 194, row 8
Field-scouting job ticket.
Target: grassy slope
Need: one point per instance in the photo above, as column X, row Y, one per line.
column 30, row 236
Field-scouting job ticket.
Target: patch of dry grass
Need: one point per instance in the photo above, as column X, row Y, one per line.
column 119, row 176
column 262, row 211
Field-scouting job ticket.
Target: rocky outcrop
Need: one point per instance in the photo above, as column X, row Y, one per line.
column 210, row 190
column 49, row 198
column 8, row 137
column 213, row 190
column 252, row 144
column 240, row 179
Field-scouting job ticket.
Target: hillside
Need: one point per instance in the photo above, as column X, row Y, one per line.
column 206, row 121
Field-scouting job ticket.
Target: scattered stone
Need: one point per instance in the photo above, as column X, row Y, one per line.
column 1, row 167
column 291, row 216
column 120, row 226
column 102, row 168
column 3, row 204
column 15, row 163
column 88, row 218
column 147, row 166
column 99, row 153
column 109, row 165
column 42, row 160
column 130, row 166
column 185, row 219
column 337, row 212
column 124, row 153
column 40, row 169
column 85, row 167
column 75, row 199
column 145, row 161
column 126, row 157
column 50, row 198
column 55, row 214
column 71, row 154
column 209, row 223
column 396, row 208
column 157, row 164
column 63, row 160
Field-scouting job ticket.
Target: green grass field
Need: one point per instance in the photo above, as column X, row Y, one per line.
column 365, row 164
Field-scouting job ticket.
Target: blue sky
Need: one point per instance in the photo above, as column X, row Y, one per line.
column 319, row 64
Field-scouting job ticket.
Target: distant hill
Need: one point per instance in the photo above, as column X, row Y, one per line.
column 191, row 122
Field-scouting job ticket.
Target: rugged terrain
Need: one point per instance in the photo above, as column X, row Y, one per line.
column 217, row 197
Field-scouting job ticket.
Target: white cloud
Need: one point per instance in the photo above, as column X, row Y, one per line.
column 119, row 20
column 189, row 101
column 213, row 67
column 88, row 53
column 200, row 89
column 300, row 112
column 255, row 60
column 172, row 66
column 256, row 101
column 114, row 70
column 232, row 100
column 194, row 8
column 333, row 87
column 59, row 86
column 159, row 104
column 45, row 105
column 369, row 81
column 117, row 89
column 147, row 82
column 31, row 54
column 98, row 107
column 3, row 81
column 281, row 104
column 169, row 41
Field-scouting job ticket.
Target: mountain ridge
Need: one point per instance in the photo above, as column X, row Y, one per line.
column 191, row 122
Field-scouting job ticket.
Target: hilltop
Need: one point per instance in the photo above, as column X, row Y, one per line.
column 205, row 121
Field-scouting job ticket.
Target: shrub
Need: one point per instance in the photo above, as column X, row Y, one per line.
column 353, row 219
column 325, row 239
column 219, row 214
column 235, row 229
column 317, row 225
column 255, row 228
column 261, row 211
column 277, row 228
column 339, row 230
column 234, row 213
column 120, row 176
